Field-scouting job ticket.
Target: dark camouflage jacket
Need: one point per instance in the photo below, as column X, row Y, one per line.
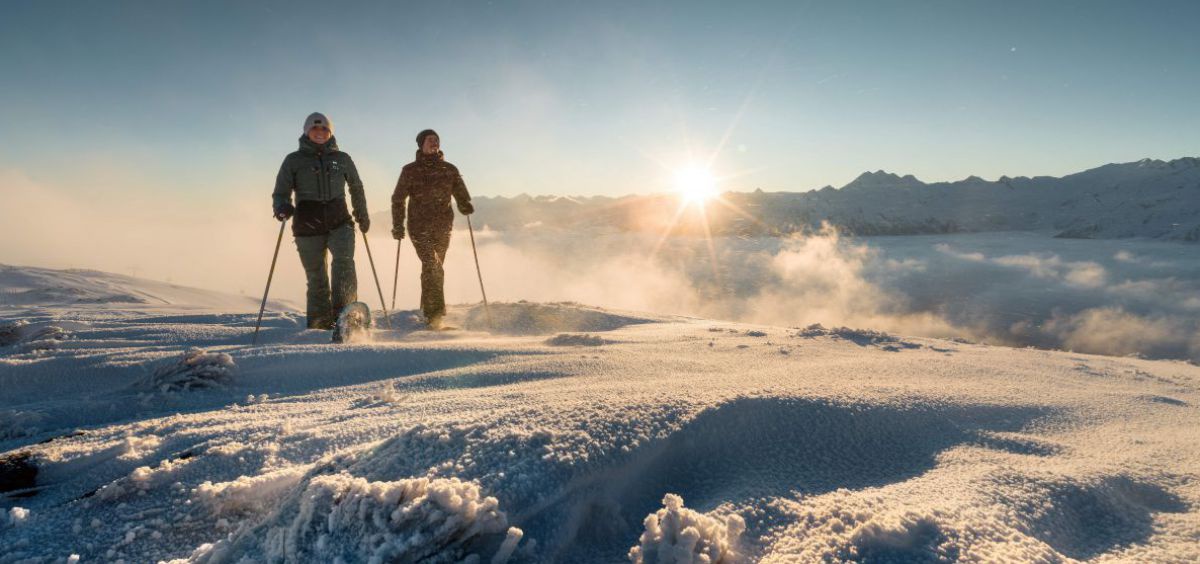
column 424, row 188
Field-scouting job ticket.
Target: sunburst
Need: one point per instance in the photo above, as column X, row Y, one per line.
column 696, row 184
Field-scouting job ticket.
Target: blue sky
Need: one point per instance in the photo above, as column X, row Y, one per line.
column 203, row 99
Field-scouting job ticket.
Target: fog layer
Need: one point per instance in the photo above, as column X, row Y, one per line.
column 1022, row 289
column 1104, row 296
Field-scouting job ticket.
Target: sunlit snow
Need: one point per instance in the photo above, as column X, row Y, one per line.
column 151, row 430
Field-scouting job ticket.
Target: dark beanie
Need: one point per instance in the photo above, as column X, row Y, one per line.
column 422, row 135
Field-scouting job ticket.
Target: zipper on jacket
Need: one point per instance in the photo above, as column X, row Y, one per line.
column 322, row 180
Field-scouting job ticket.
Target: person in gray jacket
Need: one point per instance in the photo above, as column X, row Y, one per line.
column 316, row 176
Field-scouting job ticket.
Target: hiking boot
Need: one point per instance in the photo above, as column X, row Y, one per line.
column 434, row 322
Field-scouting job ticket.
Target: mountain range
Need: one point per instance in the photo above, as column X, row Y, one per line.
column 1147, row 198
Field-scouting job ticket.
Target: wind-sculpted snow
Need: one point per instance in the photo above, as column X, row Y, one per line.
column 340, row 518
column 863, row 337
column 569, row 433
column 248, row 495
column 29, row 338
column 678, row 535
column 16, row 423
column 575, row 340
column 195, row 369
column 543, row 319
column 10, row 332
column 15, row 517
column 579, row 494
column 1014, row 516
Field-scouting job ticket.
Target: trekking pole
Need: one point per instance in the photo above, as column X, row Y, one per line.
column 270, row 275
column 396, row 276
column 487, row 309
column 382, row 303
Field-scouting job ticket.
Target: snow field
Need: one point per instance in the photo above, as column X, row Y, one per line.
column 529, row 441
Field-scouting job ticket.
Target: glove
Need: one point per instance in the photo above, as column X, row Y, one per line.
column 466, row 208
column 284, row 211
column 364, row 223
column 398, row 232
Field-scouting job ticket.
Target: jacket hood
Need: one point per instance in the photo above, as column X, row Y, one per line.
column 308, row 146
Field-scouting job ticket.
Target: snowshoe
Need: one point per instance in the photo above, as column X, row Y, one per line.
column 353, row 323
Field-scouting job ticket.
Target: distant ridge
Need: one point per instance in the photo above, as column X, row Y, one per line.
column 1148, row 198
column 23, row 286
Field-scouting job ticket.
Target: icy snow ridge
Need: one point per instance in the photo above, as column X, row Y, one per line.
column 678, row 535
column 10, row 333
column 569, row 340
column 248, row 495
column 340, row 517
column 542, row 319
column 30, row 338
column 195, row 369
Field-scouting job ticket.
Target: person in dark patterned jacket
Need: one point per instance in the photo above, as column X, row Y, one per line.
column 424, row 191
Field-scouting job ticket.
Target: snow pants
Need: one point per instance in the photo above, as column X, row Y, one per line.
column 431, row 245
column 324, row 301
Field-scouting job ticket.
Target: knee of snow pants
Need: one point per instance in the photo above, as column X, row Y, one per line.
column 345, row 279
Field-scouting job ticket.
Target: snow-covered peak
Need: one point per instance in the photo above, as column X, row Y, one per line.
column 1184, row 163
column 881, row 178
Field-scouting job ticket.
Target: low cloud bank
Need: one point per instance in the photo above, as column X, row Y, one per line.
column 1019, row 290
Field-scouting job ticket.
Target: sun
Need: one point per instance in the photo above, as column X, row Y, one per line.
column 696, row 184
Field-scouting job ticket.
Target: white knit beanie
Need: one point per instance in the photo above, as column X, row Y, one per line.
column 315, row 119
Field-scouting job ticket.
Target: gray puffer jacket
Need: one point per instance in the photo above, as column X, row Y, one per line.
column 318, row 176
